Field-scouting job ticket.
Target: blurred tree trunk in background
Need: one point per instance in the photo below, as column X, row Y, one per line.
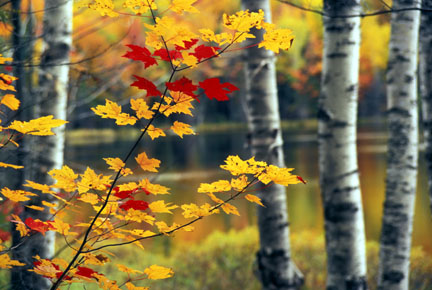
column 337, row 121
column 47, row 151
column 275, row 267
column 402, row 154
column 426, row 85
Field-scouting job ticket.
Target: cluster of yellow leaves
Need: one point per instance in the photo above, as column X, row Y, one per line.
column 6, row 262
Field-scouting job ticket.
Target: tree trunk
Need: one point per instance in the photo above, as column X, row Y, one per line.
column 426, row 85
column 275, row 267
column 337, row 121
column 402, row 148
column 47, row 151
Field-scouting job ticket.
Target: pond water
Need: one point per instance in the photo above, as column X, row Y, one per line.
column 188, row 162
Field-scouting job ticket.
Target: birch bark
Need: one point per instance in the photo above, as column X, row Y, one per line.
column 46, row 152
column 426, row 85
column 275, row 267
column 402, row 152
column 337, row 120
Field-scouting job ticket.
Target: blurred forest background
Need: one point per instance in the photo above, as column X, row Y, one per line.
column 97, row 71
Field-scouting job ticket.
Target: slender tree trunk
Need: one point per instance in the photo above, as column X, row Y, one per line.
column 426, row 85
column 47, row 151
column 337, row 121
column 402, row 148
column 275, row 267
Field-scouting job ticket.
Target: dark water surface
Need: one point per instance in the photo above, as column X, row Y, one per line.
column 188, row 162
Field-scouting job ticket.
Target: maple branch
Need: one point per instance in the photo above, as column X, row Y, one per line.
column 183, row 225
column 375, row 13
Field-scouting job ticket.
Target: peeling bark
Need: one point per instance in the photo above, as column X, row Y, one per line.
column 402, row 152
column 275, row 267
column 337, row 121
column 47, row 151
column 426, row 85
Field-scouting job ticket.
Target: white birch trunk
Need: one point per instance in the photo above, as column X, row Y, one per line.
column 402, row 152
column 275, row 267
column 337, row 121
column 47, row 151
column 426, row 85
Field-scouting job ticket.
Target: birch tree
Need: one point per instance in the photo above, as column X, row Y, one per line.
column 47, row 152
column 337, row 119
column 402, row 152
column 426, row 85
column 275, row 267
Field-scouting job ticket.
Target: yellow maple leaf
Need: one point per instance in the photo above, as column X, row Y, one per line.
column 42, row 187
column 138, row 216
column 172, row 32
column 19, row 225
column 147, row 164
column 6, row 262
column 214, row 198
column 10, row 101
column 153, row 188
column 156, row 272
column 217, row 186
column 237, row 166
column 41, row 126
column 104, row 7
column 182, row 103
column 48, row 204
column 35, row 207
column 61, row 227
column 160, row 206
column 10, row 165
column 278, row 175
column 3, row 60
column 112, row 110
column 164, row 228
column 239, row 183
column 230, row 209
column 117, row 164
column 244, row 21
column 91, row 180
column 253, row 198
column 6, row 84
column 179, row 6
column 154, row 132
column 275, row 39
column 189, row 59
column 141, row 109
column 194, row 211
column 16, row 195
column 140, row 6
column 131, row 286
column 90, row 198
column 182, row 129
column 128, row 270
column 141, row 233
column 65, row 178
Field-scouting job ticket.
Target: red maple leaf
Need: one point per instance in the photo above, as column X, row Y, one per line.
column 85, row 272
column 8, row 68
column 135, row 204
column 215, row 90
column 38, row 225
column 147, row 85
column 183, row 85
column 187, row 44
column 202, row 51
column 125, row 193
column 141, row 54
column 163, row 54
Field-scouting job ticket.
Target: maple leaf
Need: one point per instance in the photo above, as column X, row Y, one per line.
column 35, row 207
column 147, row 164
column 187, row 44
column 3, row 60
column 131, row 286
column 275, row 39
column 141, row 54
column 85, row 272
column 90, row 198
column 38, row 225
column 214, row 89
column 253, row 198
column 10, row 165
column 91, row 180
column 135, row 204
column 161, row 207
column 10, row 101
column 194, row 211
column 112, row 110
column 239, row 183
column 163, row 54
column 7, row 263
column 237, row 166
column 183, row 85
column 230, row 209
column 16, row 195
column 41, row 126
column 147, row 85
column 65, row 178
column 139, row 6
column 42, row 187
column 202, row 52
column 217, row 186
column 128, row 270
column 244, row 21
column 278, row 175
column 117, row 164
column 180, row 6
column 19, row 225
column 60, row 226
column 154, row 132
column 189, row 59
column 182, row 129
column 172, row 31
column 153, row 188
column 156, row 272
column 141, row 109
